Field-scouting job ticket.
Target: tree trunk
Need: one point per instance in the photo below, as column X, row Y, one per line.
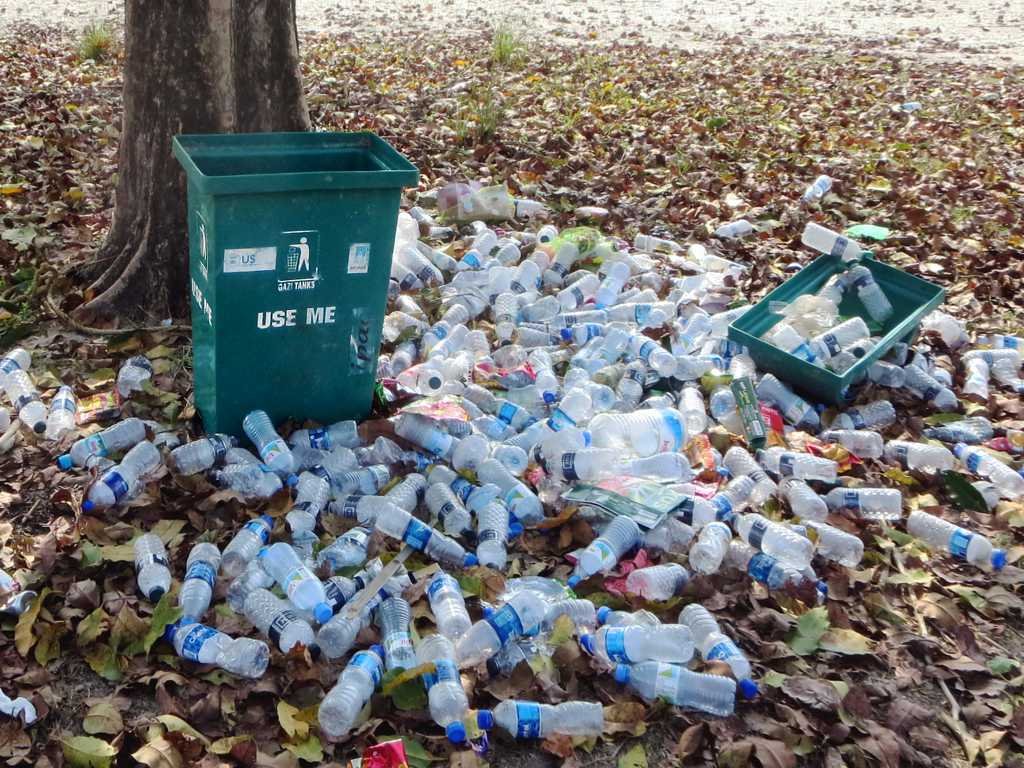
column 191, row 66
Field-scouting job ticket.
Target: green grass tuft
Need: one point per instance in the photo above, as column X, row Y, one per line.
column 97, row 43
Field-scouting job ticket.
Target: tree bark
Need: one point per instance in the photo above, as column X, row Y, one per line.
column 191, row 66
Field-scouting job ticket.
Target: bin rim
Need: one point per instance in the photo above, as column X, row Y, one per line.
column 395, row 172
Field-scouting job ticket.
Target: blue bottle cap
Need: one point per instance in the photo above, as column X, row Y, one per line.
column 549, row 397
column 263, row 552
column 485, row 719
column 587, row 642
column 456, row 732
column 377, row 649
column 574, row 580
column 87, row 505
column 748, row 689
column 64, row 461
column 470, row 560
column 602, row 614
column 998, row 559
column 514, row 530
column 322, row 613
column 566, row 334
column 292, row 480
column 621, row 673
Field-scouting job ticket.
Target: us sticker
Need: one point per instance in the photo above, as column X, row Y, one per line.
column 359, row 259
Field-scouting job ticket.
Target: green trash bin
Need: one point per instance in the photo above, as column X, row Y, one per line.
column 290, row 240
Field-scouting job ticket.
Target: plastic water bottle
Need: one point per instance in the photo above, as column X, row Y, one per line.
column 124, row 481
column 762, row 567
column 200, row 577
column 366, row 480
column 774, row 539
column 680, row 687
column 604, row 552
column 61, row 418
column 446, row 698
column 612, row 284
column 152, row 571
column 399, row 524
column 243, row 656
column 976, row 379
column 521, row 615
column 521, row 501
column 1009, row 483
column 727, row 502
column 788, row 339
column 201, row 454
column 252, row 481
column 826, row 241
column 393, row 616
column 714, row 645
column 925, row 386
column 253, row 577
column 973, row 430
column 15, row 600
column 18, row 708
column 17, row 359
column 803, row 501
column 25, row 399
column 312, row 491
column 928, row 458
column 869, row 503
column 340, row 708
column 886, row 374
column 802, row 466
column 245, row 544
column 835, row 339
column 448, row 606
column 834, row 544
column 276, row 619
column 870, row 293
column 687, row 337
column 657, row 582
column 346, row 551
column 796, row 410
column 271, row 446
column 115, row 438
column 707, row 554
column 645, row 432
column 408, row 493
column 582, row 613
column 529, row 720
column 492, row 535
column 875, row 415
column 578, row 293
column 426, row 433
column 135, row 372
column 338, row 635
column 342, row 434
column 448, row 509
column 735, row 229
column 297, row 581
column 959, row 542
column 861, row 442
column 643, row 618
column 817, row 190
column 739, row 462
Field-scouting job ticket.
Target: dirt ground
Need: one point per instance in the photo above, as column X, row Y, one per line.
column 982, row 31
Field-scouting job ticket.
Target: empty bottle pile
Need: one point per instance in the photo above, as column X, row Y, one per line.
column 533, row 375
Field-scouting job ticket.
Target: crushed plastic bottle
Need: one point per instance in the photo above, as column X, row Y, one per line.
column 152, row 570
column 678, row 686
column 657, row 582
column 61, row 418
column 278, row 620
column 604, row 552
column 340, row 708
column 133, row 375
column 124, row 481
column 201, row 454
column 297, row 581
column 959, row 542
column 273, row 449
column 521, row 615
column 671, row 643
column 448, row 606
column 243, row 656
column 529, row 720
column 245, row 544
column 200, row 578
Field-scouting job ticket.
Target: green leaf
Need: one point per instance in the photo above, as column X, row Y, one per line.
column 937, row 419
column 471, row 585
column 165, row 613
column 970, row 596
column 286, row 716
column 103, row 718
column 913, row 576
column 91, row 554
column 809, row 629
column 20, row 237
column 128, row 632
column 562, row 630
column 406, row 691
column 309, row 750
column 964, row 494
column 175, row 724
column 88, row 752
column 91, row 627
column 879, row 184
column 24, row 637
column 1000, row 665
column 225, row 745
column 867, row 232
column 845, row 641
column 773, row 679
column 101, row 377
column 634, row 757
column 48, row 644
column 104, row 662
column 713, row 124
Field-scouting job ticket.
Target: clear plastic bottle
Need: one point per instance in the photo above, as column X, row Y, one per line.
column 312, row 491
column 834, row 544
column 522, row 615
column 243, row 656
column 152, row 570
column 446, row 698
column 802, row 466
column 817, row 189
column 672, row 643
column 826, row 241
column 794, row 408
column 604, row 552
column 959, row 542
column 869, row 503
column 1009, row 483
column 201, row 454
column 492, row 535
column 739, row 462
column 631, row 386
column 271, row 446
column 714, row 645
column 393, row 616
column 657, row 582
column 245, row 544
column 774, row 539
column 578, row 293
column 253, row 577
column 870, row 293
column 680, row 687
column 521, row 501
column 973, row 430
column 347, row 550
column 645, row 432
column 803, row 501
column 529, row 720
column 925, row 386
column 735, row 229
column 340, row 708
column 606, row 616
column 342, row 434
column 276, row 619
column 448, row 606
column 727, row 502
column 200, row 578
column 19, row 708
column 762, row 567
column 25, row 399
column 15, row 600
column 788, row 339
column 253, row 481
column 862, row 442
column 408, row 493
column 610, row 287
column 707, row 554
column 928, row 458
column 399, row 524
column 61, row 418
column 832, row 341
column 135, row 372
column 448, row 509
column 17, row 359
column 886, row 374
column 297, row 581
column 124, row 481
column 582, row 613
column 876, row 415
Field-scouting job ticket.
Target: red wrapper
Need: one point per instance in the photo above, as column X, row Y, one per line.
column 772, row 418
column 387, row 754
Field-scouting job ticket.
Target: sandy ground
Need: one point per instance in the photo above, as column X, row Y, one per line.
column 980, row 31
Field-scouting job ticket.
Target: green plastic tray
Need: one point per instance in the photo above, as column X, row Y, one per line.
column 912, row 298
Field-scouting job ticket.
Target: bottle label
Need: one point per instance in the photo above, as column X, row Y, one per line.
column 672, row 434
column 786, row 464
column 577, row 294
column 505, row 623
column 488, row 534
column 63, row 403
column 641, row 312
column 8, row 365
column 901, row 455
column 973, row 461
column 758, row 475
column 863, row 281
column 145, row 560
column 194, row 641
column 666, row 682
column 930, row 393
column 839, row 246
column 760, row 567
column 417, row 534
column 568, row 466
column 831, row 343
column 959, row 542
column 507, row 412
column 445, row 671
column 851, row 499
column 528, row 720
column 725, row 649
column 319, row 439
column 804, row 352
column 220, row 447
column 117, row 485
column 756, row 533
column 409, row 279
column 357, row 537
column 398, row 645
column 440, row 582
column 24, row 400
column 348, row 507
column 335, row 597
column 272, row 450
column 293, row 580
column 95, row 446
column 260, row 528
column 369, row 663
column 462, row 488
column 722, row 505
column 446, row 509
column 320, row 472
column 615, row 645
column 559, row 420
column 440, row 331
column 436, row 442
column 857, row 418
column 644, row 353
column 559, row 269
column 202, row 570
column 280, row 623
column 795, row 410
column 603, row 549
